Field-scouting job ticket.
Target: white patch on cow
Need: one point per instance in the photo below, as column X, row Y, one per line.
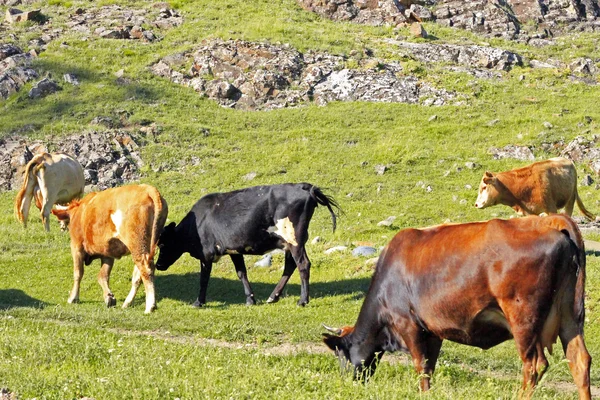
column 482, row 198
column 117, row 219
column 285, row 230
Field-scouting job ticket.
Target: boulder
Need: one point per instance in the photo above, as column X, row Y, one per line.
column 43, row 88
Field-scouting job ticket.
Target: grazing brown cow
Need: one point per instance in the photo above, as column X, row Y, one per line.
column 49, row 179
column 111, row 224
column 542, row 187
column 478, row 284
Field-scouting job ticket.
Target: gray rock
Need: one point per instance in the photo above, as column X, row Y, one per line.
column 387, row 222
column 493, row 122
column 249, row 176
column 511, row 151
column 380, row 169
column 548, row 125
column 316, row 240
column 432, row 118
column 587, row 180
column 43, row 88
column 71, row 78
column 364, row 251
column 336, row 249
column 471, row 165
column 265, row 261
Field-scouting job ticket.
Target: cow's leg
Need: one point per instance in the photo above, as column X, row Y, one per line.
column 240, row 268
column 78, row 258
column 303, row 263
column 577, row 355
column 136, row 280
column 145, row 267
column 205, row 268
column 103, row 278
column 288, row 270
column 532, row 354
column 424, row 350
column 47, row 200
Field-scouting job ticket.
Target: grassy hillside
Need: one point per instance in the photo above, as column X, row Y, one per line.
column 49, row 349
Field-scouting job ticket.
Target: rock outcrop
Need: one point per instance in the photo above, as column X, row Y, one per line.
column 15, row 69
column 260, row 76
column 109, row 158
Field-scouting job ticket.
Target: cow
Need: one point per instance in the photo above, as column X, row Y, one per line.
column 50, row 179
column 113, row 223
column 478, row 284
column 250, row 221
column 542, row 187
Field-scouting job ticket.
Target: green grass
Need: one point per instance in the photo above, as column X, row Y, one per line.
column 49, row 349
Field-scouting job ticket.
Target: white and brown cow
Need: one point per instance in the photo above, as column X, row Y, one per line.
column 50, row 179
column 111, row 224
column 542, row 187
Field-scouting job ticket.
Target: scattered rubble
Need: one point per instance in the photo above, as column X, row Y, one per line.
column 261, row 76
column 109, row 158
column 512, row 151
column 15, row 69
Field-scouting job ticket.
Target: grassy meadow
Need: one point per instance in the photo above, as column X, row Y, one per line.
column 52, row 350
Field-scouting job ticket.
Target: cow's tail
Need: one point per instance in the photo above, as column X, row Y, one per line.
column 579, row 295
column 327, row 201
column 582, row 208
column 28, row 186
column 160, row 216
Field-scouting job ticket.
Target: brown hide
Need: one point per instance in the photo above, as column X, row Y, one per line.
column 542, row 187
column 111, row 224
column 477, row 284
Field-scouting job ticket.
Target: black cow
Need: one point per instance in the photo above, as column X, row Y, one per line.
column 252, row 221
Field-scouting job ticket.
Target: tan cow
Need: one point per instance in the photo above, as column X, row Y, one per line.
column 49, row 179
column 542, row 187
column 111, row 224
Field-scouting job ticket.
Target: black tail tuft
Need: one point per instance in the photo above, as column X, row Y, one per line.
column 327, row 201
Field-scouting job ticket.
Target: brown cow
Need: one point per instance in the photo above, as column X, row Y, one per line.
column 111, row 224
column 49, row 179
column 478, row 284
column 542, row 187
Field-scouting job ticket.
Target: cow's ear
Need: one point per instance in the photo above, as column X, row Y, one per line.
column 334, row 342
column 488, row 177
column 61, row 214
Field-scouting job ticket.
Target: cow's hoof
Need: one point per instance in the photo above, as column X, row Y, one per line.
column 272, row 299
column 198, row 304
column 73, row 301
column 302, row 303
column 250, row 301
column 110, row 300
column 150, row 310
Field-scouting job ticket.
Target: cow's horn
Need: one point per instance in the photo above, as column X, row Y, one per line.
column 337, row 331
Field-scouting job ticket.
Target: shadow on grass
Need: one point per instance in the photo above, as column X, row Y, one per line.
column 10, row 298
column 185, row 288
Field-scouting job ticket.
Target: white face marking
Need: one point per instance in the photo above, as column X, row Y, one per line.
column 482, row 197
column 285, row 230
column 117, row 219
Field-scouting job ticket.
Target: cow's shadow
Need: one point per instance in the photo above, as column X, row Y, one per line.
column 184, row 287
column 11, row 298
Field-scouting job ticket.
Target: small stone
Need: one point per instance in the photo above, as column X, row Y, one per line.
column 371, row 262
column 364, row 251
column 587, row 180
column 349, row 195
column 380, row 169
column 70, row 78
column 548, row 125
column 493, row 122
column 463, row 202
column 432, row 118
column 387, row 222
column 249, row 176
column 336, row 249
column 119, row 73
column 265, row 261
column 468, row 187
column 417, row 30
column 471, row 165
column 316, row 240
column 521, row 78
column 429, row 189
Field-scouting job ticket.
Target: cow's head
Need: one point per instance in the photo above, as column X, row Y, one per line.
column 488, row 192
column 170, row 247
column 63, row 213
column 351, row 358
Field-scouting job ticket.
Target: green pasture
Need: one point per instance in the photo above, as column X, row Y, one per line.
column 53, row 350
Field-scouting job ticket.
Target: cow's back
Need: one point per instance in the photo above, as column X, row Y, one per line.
column 446, row 276
column 120, row 220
